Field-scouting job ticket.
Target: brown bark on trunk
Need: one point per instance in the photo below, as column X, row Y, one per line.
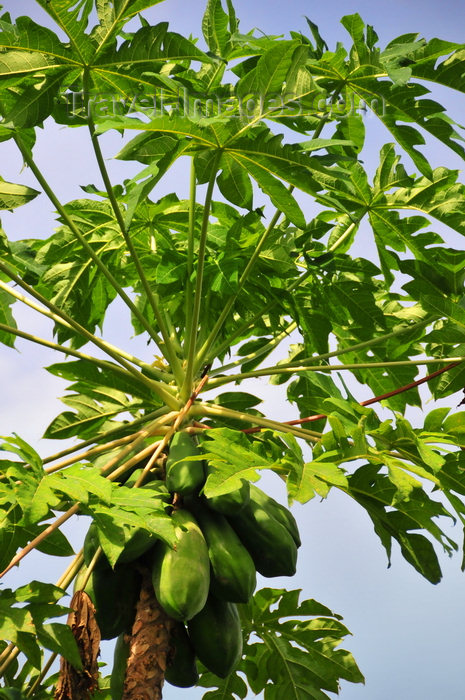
column 149, row 647
column 81, row 684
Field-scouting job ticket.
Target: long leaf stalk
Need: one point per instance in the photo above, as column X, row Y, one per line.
column 82, row 240
column 214, row 411
column 375, row 399
column 166, row 348
column 190, row 255
column 366, row 343
column 203, row 354
column 228, row 342
column 160, row 374
column 67, row 351
column 177, row 423
column 277, row 369
column 343, row 237
column 192, row 320
column 132, row 461
column 161, row 390
column 7, row 651
column 264, row 350
column 103, row 436
column 71, row 571
column 90, row 453
column 40, row 538
column 51, row 660
column 141, row 436
column 13, row 653
column 327, row 355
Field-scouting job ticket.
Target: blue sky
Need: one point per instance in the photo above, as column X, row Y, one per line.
column 409, row 637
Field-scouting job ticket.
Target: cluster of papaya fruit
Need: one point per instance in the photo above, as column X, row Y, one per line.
column 221, row 543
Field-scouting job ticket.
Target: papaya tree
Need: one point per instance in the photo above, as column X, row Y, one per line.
column 279, row 256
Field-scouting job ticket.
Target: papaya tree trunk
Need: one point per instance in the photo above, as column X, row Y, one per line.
column 149, row 647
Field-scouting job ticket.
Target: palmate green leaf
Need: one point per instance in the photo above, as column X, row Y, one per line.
column 270, row 72
column 234, row 183
column 116, row 524
column 88, row 378
column 79, row 482
column 294, row 658
column 450, row 382
column 12, row 195
column 377, row 494
column 316, row 477
column 59, row 639
column 16, row 625
column 73, row 19
column 398, row 106
column 94, row 410
column 25, row 625
column 449, row 71
column 217, row 26
column 16, row 445
column 6, row 317
column 12, row 694
column 232, row 460
column 33, row 101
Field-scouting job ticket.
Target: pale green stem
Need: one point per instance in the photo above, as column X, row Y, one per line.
column 82, row 240
column 9, row 659
column 343, row 237
column 103, row 436
column 155, row 386
column 42, row 675
column 166, row 348
column 190, row 254
column 142, row 435
column 65, row 350
column 357, row 346
column 6, row 652
column 228, row 342
column 107, row 447
column 194, row 316
column 159, row 374
column 264, row 350
column 173, row 336
column 213, row 411
column 365, row 343
column 40, row 538
column 268, row 371
column 202, row 355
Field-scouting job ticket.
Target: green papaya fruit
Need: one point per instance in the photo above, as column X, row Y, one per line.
column 232, row 502
column 138, row 544
column 279, row 512
column 181, row 576
column 216, row 635
column 234, row 578
column 182, row 474
column 115, row 594
column 181, row 670
column 268, row 542
column 120, row 660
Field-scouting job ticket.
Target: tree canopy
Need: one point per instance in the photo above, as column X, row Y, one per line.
column 256, row 255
